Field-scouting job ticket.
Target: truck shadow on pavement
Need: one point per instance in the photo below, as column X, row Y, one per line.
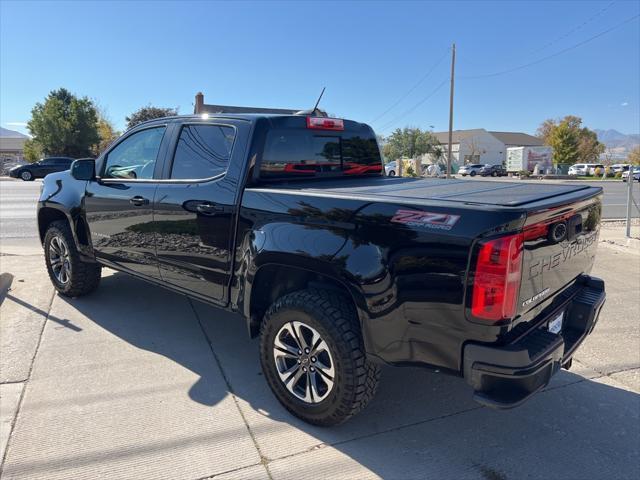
column 421, row 424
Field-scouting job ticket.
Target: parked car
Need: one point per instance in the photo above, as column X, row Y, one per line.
column 288, row 221
column 41, row 168
column 636, row 174
column 471, row 169
column 583, row 169
column 620, row 167
column 493, row 170
column 390, row 169
column 593, row 167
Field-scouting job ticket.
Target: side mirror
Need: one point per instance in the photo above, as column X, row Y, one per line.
column 83, row 169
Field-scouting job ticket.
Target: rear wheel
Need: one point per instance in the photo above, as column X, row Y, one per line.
column 473, row 174
column 313, row 357
column 26, row 175
column 494, row 174
column 70, row 275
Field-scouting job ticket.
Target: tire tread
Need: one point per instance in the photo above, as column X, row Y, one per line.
column 343, row 326
column 85, row 276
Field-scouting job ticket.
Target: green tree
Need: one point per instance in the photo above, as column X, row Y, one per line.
column 408, row 143
column 564, row 141
column 148, row 113
column 32, row 151
column 571, row 141
column 64, row 125
column 634, row 156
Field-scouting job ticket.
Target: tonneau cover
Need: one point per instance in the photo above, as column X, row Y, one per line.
column 501, row 193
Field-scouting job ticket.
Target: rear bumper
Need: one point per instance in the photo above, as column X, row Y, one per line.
column 506, row 376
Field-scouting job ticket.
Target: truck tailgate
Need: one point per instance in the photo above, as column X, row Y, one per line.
column 559, row 246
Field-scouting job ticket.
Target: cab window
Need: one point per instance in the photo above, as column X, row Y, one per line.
column 135, row 157
column 203, row 151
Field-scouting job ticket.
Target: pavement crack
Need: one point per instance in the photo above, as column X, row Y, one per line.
column 26, row 383
column 233, row 470
column 263, row 460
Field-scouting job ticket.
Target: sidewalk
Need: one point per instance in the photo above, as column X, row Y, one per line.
column 613, row 233
column 134, row 381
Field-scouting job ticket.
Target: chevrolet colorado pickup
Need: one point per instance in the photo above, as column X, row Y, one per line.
column 288, row 221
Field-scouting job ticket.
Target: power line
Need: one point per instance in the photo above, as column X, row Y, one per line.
column 575, row 29
column 565, row 50
column 406, row 94
column 399, row 117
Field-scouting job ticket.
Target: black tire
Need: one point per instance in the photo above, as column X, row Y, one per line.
column 82, row 277
column 494, row 174
column 26, row 175
column 335, row 319
column 473, row 173
column 392, row 173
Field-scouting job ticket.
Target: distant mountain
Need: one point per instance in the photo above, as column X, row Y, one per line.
column 6, row 133
column 618, row 144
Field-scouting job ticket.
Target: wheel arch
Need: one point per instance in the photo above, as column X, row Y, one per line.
column 274, row 280
column 79, row 229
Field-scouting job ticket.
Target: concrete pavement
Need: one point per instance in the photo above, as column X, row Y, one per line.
column 134, row 381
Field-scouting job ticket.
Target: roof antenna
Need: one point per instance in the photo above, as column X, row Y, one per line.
column 315, row 107
column 316, row 111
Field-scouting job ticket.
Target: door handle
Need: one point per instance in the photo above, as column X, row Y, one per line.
column 139, row 201
column 208, row 208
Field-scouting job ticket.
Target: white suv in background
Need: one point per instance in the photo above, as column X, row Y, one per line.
column 584, row 168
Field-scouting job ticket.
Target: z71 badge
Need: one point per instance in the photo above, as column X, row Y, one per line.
column 416, row 218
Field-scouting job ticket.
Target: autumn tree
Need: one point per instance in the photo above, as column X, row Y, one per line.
column 571, row 141
column 106, row 131
column 634, row 156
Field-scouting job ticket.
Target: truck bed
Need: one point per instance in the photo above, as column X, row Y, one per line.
column 490, row 193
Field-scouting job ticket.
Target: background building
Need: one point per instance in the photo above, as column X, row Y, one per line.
column 482, row 146
column 12, row 144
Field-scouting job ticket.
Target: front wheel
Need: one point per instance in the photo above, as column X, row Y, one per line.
column 26, row 175
column 70, row 275
column 494, row 174
column 392, row 173
column 313, row 357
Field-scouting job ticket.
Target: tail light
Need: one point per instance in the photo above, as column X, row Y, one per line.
column 497, row 279
column 322, row 123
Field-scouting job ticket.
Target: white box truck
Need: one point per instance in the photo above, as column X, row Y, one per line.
column 526, row 158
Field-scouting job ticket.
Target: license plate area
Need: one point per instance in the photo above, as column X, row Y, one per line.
column 555, row 325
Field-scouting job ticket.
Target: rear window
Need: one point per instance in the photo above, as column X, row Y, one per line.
column 305, row 153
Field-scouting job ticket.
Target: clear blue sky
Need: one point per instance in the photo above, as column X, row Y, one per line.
column 368, row 54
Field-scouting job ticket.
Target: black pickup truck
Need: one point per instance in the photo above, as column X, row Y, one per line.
column 288, row 221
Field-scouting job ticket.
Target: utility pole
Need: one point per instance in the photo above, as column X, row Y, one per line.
column 453, row 67
column 629, row 200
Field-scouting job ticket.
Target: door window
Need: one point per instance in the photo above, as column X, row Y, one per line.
column 203, row 151
column 135, row 157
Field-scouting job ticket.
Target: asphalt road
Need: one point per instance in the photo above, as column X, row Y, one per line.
column 18, row 206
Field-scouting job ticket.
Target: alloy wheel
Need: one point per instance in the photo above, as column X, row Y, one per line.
column 304, row 362
column 26, row 175
column 60, row 260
